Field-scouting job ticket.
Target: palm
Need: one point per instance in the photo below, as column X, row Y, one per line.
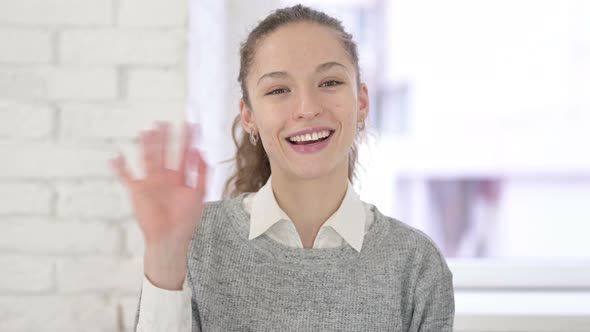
column 166, row 208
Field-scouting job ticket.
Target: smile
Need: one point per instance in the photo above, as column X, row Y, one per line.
column 310, row 138
column 311, row 142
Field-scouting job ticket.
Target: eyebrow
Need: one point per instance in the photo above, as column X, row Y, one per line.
column 282, row 74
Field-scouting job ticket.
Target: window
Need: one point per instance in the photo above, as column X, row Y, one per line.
column 480, row 112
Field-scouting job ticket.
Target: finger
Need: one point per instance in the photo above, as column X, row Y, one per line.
column 195, row 167
column 156, row 145
column 151, row 151
column 187, row 141
column 164, row 129
column 146, row 157
column 119, row 166
column 202, row 169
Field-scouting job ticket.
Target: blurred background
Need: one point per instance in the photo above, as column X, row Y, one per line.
column 479, row 129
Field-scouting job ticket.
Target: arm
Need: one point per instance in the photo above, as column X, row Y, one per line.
column 434, row 306
column 165, row 310
column 168, row 209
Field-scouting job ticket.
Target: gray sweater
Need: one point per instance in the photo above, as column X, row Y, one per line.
column 398, row 282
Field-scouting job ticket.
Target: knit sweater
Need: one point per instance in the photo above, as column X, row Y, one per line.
column 398, row 282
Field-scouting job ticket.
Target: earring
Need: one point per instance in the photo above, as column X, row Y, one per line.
column 253, row 138
column 361, row 125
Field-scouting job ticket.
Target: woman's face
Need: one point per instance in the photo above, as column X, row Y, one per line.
column 302, row 79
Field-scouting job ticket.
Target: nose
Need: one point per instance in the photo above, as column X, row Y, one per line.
column 307, row 107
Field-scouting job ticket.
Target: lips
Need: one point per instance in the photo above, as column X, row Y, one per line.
column 310, row 131
column 307, row 139
column 312, row 147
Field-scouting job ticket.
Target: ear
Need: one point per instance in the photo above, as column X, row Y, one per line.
column 247, row 117
column 363, row 103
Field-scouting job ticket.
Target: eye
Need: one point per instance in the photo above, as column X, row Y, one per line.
column 331, row 83
column 277, row 91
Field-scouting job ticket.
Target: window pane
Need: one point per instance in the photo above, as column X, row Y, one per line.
column 481, row 111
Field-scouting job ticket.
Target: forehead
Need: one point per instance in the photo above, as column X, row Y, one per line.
column 299, row 47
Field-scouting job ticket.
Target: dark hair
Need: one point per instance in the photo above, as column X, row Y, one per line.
column 253, row 166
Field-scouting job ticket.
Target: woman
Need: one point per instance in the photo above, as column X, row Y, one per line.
column 294, row 248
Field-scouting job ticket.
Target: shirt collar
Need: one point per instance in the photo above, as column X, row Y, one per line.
column 348, row 220
column 265, row 211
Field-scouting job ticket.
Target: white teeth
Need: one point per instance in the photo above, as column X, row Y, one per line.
column 310, row 137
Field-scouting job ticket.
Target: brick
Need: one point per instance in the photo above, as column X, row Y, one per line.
column 49, row 83
column 26, row 274
column 134, row 242
column 24, row 121
column 58, row 313
column 20, row 46
column 92, row 199
column 57, row 12
column 123, row 123
column 153, row 13
column 156, row 84
column 128, row 310
column 46, row 160
column 22, row 198
column 120, row 121
column 100, row 274
column 120, row 47
column 38, row 236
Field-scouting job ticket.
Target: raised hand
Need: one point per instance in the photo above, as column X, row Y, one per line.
column 167, row 209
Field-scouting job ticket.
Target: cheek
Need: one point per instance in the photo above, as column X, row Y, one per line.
column 269, row 147
column 343, row 107
column 269, row 127
column 346, row 114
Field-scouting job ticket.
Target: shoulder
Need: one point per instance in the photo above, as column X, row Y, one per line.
column 406, row 236
column 228, row 204
column 214, row 206
column 213, row 213
column 213, row 224
column 414, row 247
column 216, row 215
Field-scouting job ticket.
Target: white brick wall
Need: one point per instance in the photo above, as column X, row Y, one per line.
column 25, row 120
column 78, row 80
column 25, row 198
column 57, row 83
column 58, row 313
column 133, row 239
column 46, row 160
column 23, row 274
column 152, row 13
column 115, row 46
column 117, row 121
column 25, row 46
column 86, row 275
column 92, row 199
column 128, row 308
column 156, row 84
column 51, row 13
column 38, row 236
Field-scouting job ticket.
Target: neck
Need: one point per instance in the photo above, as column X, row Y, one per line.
column 310, row 202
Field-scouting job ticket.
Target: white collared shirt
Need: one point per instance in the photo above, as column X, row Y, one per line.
column 165, row 310
column 349, row 223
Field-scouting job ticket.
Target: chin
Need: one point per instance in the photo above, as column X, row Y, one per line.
column 314, row 172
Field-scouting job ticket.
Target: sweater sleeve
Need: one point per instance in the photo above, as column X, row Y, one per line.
column 165, row 310
column 434, row 306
